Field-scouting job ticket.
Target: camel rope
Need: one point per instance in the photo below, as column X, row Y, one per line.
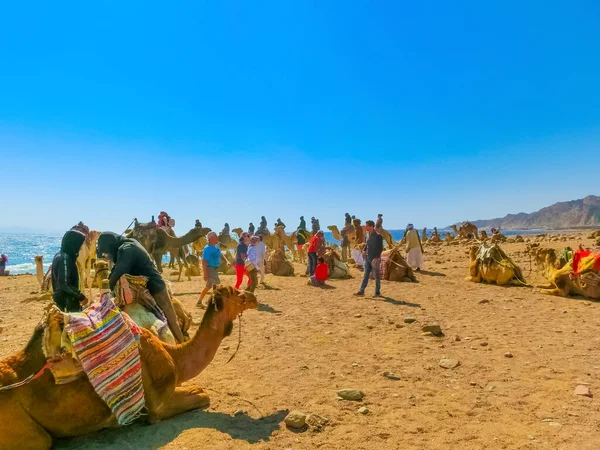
column 239, row 339
column 26, row 380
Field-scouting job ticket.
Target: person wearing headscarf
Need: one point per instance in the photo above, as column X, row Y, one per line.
column 65, row 275
column 414, row 249
column 301, row 233
column 129, row 257
column 3, row 262
column 315, row 225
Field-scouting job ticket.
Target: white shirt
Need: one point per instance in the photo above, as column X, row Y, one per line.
column 261, row 251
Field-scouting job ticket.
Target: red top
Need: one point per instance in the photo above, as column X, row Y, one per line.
column 314, row 244
column 321, row 271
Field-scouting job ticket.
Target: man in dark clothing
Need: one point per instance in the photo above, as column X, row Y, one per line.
column 372, row 259
column 348, row 220
column 251, row 228
column 262, row 228
column 279, row 223
column 65, row 276
column 131, row 258
column 315, row 225
column 302, row 225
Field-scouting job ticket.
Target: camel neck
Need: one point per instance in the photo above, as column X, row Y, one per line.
column 192, row 357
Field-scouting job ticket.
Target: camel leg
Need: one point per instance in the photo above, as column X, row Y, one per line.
column 545, row 286
column 555, row 291
column 183, row 399
column 18, row 431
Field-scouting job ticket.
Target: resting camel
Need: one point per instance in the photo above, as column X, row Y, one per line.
column 561, row 280
column 483, row 236
column 397, row 267
column 490, row 264
column 40, row 410
column 424, row 237
column 158, row 242
column 467, row 230
column 280, row 266
column 338, row 269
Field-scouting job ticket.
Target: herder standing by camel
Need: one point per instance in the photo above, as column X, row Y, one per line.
column 65, row 276
column 414, row 249
column 131, row 258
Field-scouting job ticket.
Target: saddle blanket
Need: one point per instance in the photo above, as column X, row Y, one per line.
column 107, row 346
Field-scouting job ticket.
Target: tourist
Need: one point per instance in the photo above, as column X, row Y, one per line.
column 211, row 259
column 65, row 275
column 261, row 250
column 253, row 262
column 414, row 249
column 262, row 228
column 251, row 228
column 225, row 230
column 241, row 255
column 301, row 233
column 129, row 257
column 315, row 225
column 321, row 273
column 372, row 259
column 279, row 223
column 3, row 262
column 313, row 249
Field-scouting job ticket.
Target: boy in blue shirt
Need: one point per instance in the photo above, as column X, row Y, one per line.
column 211, row 259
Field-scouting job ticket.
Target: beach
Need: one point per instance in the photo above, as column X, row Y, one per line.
column 521, row 355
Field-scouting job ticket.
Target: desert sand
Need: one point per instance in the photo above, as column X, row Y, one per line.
column 305, row 343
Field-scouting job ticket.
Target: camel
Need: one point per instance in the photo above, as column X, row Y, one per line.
column 448, row 237
column 498, row 237
column 227, row 266
column 198, row 246
column 490, row 264
column 396, row 267
column 157, row 241
column 338, row 269
column 279, row 265
column 40, row 410
column 226, row 242
column 287, row 241
column 483, row 236
column 39, row 269
column 561, row 280
column 338, row 236
column 467, row 230
column 85, row 260
column 194, row 266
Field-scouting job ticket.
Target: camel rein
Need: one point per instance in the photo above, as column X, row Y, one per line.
column 26, row 380
column 239, row 338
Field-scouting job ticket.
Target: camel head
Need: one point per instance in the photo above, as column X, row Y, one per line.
column 230, row 302
column 544, row 256
column 144, row 233
column 238, row 231
column 473, row 252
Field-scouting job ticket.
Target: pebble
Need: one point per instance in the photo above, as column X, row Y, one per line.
column 410, row 319
column 427, row 334
column 354, row 364
column 295, row 419
column 483, row 344
column 531, row 436
column 448, row 363
column 370, row 327
column 583, row 390
column 456, row 338
column 481, row 302
column 433, row 328
column 239, row 412
column 363, row 410
column 508, row 355
column 357, row 315
column 473, row 383
column 350, row 394
column 391, row 376
column 399, row 325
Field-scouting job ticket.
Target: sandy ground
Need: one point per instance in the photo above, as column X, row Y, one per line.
column 304, row 343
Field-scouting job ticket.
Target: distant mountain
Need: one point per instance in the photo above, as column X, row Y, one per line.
column 576, row 213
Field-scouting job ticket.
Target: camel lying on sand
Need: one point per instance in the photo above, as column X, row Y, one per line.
column 467, row 230
column 490, row 264
column 337, row 268
column 396, row 267
column 40, row 410
column 561, row 279
column 279, row 265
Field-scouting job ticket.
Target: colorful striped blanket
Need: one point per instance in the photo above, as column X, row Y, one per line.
column 106, row 343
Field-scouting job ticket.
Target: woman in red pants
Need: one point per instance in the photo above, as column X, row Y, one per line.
column 241, row 255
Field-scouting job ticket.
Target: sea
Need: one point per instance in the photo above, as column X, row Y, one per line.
column 21, row 248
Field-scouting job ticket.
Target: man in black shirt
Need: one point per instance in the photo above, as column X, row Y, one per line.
column 372, row 259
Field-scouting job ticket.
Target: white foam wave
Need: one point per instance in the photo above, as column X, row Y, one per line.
column 19, row 269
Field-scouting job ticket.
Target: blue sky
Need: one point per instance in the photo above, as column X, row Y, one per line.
column 429, row 112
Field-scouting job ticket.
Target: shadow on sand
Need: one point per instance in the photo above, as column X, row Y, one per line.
column 430, row 273
column 395, row 302
column 141, row 436
column 263, row 307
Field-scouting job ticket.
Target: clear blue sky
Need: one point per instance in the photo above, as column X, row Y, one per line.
column 429, row 112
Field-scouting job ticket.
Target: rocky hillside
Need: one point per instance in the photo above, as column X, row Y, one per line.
column 576, row 213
